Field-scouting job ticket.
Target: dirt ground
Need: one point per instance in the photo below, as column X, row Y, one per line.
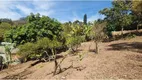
column 120, row 59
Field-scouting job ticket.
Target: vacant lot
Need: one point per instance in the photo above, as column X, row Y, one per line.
column 120, row 59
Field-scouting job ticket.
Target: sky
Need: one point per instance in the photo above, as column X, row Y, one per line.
column 62, row 10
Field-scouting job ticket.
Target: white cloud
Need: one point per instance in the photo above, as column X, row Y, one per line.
column 44, row 5
column 91, row 18
column 6, row 12
column 95, row 17
column 10, row 14
column 76, row 17
column 63, row 21
column 24, row 9
column 17, row 9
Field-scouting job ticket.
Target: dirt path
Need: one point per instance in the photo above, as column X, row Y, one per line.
column 120, row 59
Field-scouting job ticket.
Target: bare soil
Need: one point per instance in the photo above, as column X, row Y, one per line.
column 120, row 59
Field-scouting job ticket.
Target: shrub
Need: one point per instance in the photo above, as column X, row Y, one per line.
column 28, row 50
column 36, row 27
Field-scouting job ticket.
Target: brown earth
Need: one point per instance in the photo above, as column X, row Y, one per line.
column 120, row 59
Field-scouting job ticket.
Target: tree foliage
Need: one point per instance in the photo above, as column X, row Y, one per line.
column 137, row 12
column 118, row 16
column 6, row 20
column 85, row 19
column 137, row 6
column 35, row 50
column 73, row 34
column 97, row 33
column 3, row 28
column 36, row 28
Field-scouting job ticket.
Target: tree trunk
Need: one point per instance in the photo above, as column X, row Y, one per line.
column 56, row 66
column 97, row 47
column 10, row 57
column 122, row 31
column 1, row 63
column 137, row 28
column 89, row 47
column 72, row 49
column 55, row 61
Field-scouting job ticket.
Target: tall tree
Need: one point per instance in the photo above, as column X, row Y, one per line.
column 97, row 33
column 85, row 19
column 35, row 28
column 137, row 6
column 137, row 11
column 118, row 16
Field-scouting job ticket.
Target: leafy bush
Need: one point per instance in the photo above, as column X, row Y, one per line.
column 74, row 41
column 3, row 28
column 35, row 50
column 28, row 50
column 129, row 36
column 74, row 34
column 36, row 27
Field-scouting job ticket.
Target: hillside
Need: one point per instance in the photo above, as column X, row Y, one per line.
column 120, row 59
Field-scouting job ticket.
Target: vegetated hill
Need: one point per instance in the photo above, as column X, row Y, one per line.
column 120, row 59
column 19, row 22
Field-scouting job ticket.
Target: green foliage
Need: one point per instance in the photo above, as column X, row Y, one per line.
column 137, row 12
column 130, row 36
column 98, row 31
column 85, row 19
column 8, row 52
column 28, row 50
column 87, row 31
column 35, row 50
column 6, row 20
column 43, row 43
column 36, row 28
column 137, row 6
column 74, row 34
column 74, row 41
column 3, row 28
column 117, row 17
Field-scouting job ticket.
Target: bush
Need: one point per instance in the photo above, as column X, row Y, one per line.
column 36, row 27
column 28, row 50
column 35, row 50
column 75, row 41
column 3, row 28
column 129, row 36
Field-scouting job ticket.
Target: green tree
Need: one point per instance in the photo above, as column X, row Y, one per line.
column 137, row 11
column 35, row 28
column 86, row 31
column 35, row 50
column 97, row 33
column 85, row 19
column 118, row 17
column 73, row 34
column 3, row 28
column 137, row 6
